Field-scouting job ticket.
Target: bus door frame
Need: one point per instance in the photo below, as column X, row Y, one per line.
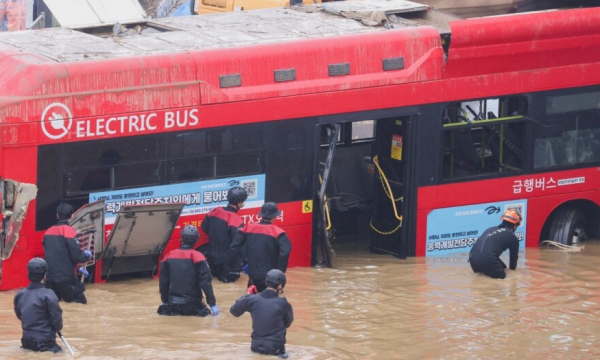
column 408, row 230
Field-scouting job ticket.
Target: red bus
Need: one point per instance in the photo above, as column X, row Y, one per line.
column 376, row 124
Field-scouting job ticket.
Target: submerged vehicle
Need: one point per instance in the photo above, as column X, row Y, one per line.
column 382, row 123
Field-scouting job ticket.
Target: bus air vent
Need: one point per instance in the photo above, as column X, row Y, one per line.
column 285, row 75
column 339, row 69
column 233, row 80
column 393, row 64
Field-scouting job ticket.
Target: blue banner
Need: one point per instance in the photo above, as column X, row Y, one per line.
column 455, row 230
column 200, row 197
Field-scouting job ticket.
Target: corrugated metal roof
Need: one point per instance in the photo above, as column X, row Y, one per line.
column 84, row 13
column 219, row 30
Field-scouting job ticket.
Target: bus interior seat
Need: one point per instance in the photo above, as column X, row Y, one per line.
column 465, row 146
column 351, row 192
column 340, row 197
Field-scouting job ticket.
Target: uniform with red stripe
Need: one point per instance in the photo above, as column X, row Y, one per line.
column 264, row 246
column 221, row 225
column 63, row 253
column 184, row 276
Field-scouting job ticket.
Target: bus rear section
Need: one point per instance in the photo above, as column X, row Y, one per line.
column 428, row 179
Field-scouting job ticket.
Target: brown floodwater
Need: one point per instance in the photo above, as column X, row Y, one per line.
column 369, row 307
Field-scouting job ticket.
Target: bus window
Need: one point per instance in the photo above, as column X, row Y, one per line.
column 363, row 130
column 571, row 133
column 187, row 144
column 188, row 169
column 234, row 164
column 325, row 136
column 112, row 164
column 483, row 137
column 289, row 160
column 72, row 171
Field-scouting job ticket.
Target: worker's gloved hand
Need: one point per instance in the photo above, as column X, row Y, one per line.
column 252, row 290
column 215, row 310
column 83, row 271
column 88, row 253
column 245, row 269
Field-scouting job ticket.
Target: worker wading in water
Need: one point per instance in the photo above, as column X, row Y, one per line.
column 221, row 225
column 485, row 254
column 184, row 275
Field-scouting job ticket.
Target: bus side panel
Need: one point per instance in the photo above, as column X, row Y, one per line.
column 542, row 207
column 296, row 221
column 133, row 84
column 421, row 232
column 301, row 238
column 557, row 188
column 20, row 164
column 420, row 50
column 508, row 188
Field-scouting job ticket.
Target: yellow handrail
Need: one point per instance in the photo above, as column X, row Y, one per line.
column 388, row 191
column 326, row 206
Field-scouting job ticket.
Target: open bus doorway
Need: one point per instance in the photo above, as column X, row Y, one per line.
column 365, row 185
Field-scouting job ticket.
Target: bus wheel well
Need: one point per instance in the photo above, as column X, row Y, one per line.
column 585, row 209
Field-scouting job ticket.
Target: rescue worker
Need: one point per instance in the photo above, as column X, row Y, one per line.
column 38, row 310
column 184, row 275
column 271, row 316
column 221, row 225
column 262, row 246
column 63, row 253
column 485, row 254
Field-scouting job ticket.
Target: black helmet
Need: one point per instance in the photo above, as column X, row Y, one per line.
column 269, row 211
column 37, row 266
column 190, row 234
column 274, row 278
column 236, row 195
column 64, row 211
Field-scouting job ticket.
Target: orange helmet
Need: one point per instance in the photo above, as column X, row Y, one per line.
column 512, row 216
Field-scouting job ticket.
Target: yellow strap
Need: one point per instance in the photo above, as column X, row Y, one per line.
column 388, row 192
column 387, row 188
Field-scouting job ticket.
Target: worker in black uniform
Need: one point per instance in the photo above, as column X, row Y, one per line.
column 38, row 310
column 63, row 253
column 271, row 316
column 221, row 225
column 263, row 246
column 184, row 275
column 485, row 254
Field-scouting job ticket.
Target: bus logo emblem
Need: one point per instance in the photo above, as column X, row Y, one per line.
column 56, row 121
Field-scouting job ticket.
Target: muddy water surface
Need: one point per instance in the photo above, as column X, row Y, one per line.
column 369, row 307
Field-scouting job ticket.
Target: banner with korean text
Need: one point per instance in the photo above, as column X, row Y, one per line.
column 200, row 197
column 455, row 230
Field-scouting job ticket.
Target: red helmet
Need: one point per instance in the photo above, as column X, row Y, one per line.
column 512, row 216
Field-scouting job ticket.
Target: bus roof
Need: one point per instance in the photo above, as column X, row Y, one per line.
column 283, row 54
column 224, row 30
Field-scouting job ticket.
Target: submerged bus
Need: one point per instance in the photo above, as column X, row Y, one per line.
column 374, row 124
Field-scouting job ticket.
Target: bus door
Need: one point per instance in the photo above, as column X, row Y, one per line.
column 389, row 159
column 362, row 167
